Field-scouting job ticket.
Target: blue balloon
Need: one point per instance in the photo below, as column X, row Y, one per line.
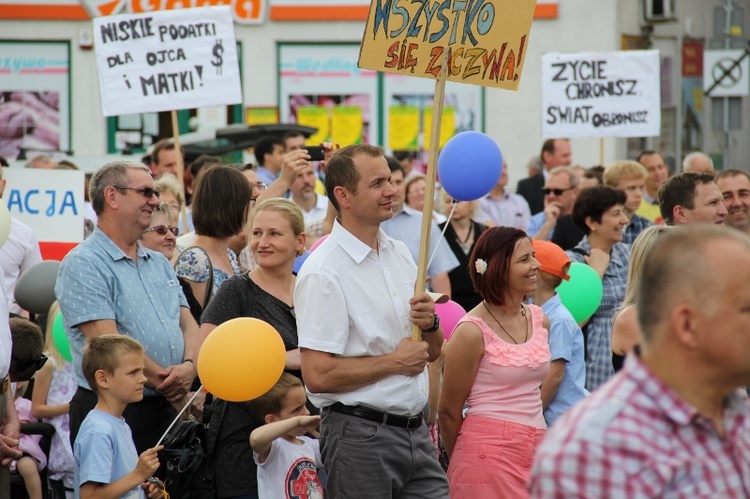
column 300, row 260
column 469, row 166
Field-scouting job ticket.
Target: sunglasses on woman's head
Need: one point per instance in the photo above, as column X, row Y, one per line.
column 162, row 230
column 24, row 364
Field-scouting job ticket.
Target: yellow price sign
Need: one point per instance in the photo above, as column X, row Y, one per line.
column 346, row 125
column 403, row 128
column 447, row 125
column 317, row 117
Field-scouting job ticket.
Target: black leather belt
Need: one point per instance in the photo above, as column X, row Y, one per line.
column 408, row 422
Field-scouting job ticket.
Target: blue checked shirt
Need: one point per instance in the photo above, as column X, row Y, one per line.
column 599, row 331
column 98, row 281
column 636, row 226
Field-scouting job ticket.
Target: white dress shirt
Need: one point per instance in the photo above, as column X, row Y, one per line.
column 353, row 301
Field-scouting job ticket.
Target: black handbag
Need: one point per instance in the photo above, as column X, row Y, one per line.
column 184, row 458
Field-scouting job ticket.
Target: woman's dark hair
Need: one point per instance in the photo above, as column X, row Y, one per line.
column 594, row 202
column 220, row 201
column 495, row 246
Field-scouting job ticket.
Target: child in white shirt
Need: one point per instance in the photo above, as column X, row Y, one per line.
column 287, row 460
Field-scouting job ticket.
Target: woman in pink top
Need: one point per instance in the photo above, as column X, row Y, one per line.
column 495, row 362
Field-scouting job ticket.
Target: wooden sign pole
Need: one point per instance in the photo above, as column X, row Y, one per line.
column 180, row 167
column 429, row 195
column 601, row 152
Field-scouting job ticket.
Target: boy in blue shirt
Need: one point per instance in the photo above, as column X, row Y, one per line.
column 107, row 465
column 565, row 382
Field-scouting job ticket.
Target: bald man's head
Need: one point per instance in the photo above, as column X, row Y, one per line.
column 687, row 266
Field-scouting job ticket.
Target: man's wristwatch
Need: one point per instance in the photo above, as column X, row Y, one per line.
column 435, row 325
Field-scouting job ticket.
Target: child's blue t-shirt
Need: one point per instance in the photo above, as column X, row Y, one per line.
column 105, row 452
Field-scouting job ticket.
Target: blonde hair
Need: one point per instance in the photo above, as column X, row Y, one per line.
column 642, row 246
column 169, row 183
column 105, row 352
column 50, row 350
column 287, row 208
column 163, row 209
column 623, row 170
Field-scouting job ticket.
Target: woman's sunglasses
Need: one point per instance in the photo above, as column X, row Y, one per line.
column 20, row 365
column 162, row 230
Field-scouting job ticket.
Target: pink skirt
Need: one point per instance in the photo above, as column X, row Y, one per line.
column 492, row 458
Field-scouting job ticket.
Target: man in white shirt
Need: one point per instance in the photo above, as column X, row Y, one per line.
column 355, row 309
column 19, row 253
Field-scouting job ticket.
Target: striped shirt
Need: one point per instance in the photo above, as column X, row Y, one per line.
column 636, row 437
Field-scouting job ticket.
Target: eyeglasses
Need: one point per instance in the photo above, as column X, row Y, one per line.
column 20, row 365
column 260, row 186
column 162, row 230
column 557, row 192
column 147, row 192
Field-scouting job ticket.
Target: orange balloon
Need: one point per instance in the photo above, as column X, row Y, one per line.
column 241, row 359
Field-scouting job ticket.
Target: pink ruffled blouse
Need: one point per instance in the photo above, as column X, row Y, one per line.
column 507, row 385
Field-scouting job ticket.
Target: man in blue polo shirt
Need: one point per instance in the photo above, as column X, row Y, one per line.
column 111, row 284
column 406, row 226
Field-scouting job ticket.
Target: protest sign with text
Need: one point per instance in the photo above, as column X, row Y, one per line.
column 161, row 61
column 51, row 204
column 485, row 41
column 605, row 94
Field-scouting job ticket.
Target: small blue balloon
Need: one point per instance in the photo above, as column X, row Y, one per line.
column 299, row 261
column 469, row 166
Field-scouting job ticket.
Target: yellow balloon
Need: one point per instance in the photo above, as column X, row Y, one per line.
column 241, row 359
column 4, row 223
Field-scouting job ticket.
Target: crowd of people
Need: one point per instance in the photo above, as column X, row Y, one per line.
column 644, row 398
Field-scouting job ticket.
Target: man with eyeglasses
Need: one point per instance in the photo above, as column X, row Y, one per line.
column 111, row 284
column 560, row 192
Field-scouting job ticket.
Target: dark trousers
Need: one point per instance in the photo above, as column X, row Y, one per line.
column 374, row 461
column 148, row 419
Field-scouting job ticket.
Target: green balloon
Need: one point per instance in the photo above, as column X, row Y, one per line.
column 60, row 339
column 582, row 294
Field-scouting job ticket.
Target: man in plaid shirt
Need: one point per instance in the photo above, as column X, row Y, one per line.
column 674, row 422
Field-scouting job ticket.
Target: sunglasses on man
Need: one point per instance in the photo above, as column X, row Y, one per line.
column 557, row 192
column 20, row 365
column 146, row 192
column 162, row 230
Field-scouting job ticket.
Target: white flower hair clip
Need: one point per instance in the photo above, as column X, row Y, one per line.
column 481, row 266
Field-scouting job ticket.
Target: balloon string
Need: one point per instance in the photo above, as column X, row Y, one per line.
column 179, row 414
column 442, row 234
